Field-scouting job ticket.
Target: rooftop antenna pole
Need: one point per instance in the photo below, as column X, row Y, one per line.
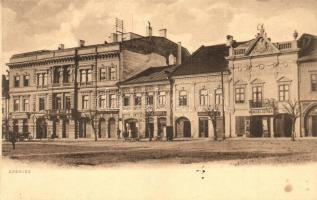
column 119, row 27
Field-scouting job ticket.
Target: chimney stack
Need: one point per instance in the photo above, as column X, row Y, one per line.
column 149, row 29
column 61, row 46
column 114, row 37
column 179, row 54
column 81, row 43
column 229, row 40
column 163, row 32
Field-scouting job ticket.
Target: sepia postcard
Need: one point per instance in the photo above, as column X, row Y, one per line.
column 158, row 99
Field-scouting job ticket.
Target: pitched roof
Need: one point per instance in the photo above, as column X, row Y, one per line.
column 206, row 59
column 308, row 47
column 151, row 74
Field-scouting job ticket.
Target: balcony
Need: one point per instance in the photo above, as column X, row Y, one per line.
column 263, row 107
column 264, row 103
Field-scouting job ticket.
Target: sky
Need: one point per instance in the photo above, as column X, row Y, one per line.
column 29, row 25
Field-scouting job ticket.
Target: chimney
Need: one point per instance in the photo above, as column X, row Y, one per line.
column 149, row 30
column 229, row 41
column 61, row 46
column 81, row 43
column 163, row 32
column 179, row 53
column 114, row 37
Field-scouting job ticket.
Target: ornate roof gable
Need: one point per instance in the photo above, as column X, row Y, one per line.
column 261, row 45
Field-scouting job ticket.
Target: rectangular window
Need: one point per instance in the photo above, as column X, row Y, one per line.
column 58, row 103
column 41, row 104
column 137, row 100
column 112, row 73
column 26, row 80
column 66, row 75
column 17, row 81
column 103, row 74
column 112, row 100
column 239, row 95
column 16, row 104
column 102, row 101
column 283, row 92
column 162, row 98
column 83, row 76
column 39, row 80
column 85, row 101
column 149, row 99
column 257, row 93
column 314, row 82
column 67, row 103
column 45, row 79
column 25, row 104
column 89, row 75
column 183, row 99
column 218, row 96
column 203, row 98
column 57, row 75
column 126, row 100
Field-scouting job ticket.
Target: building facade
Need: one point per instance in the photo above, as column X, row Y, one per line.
column 73, row 92
column 265, row 78
column 148, row 87
column 198, row 88
column 146, row 109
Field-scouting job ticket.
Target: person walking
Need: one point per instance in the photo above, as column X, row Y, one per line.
column 13, row 139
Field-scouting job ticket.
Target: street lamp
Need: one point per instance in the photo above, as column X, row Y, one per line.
column 148, row 112
column 213, row 113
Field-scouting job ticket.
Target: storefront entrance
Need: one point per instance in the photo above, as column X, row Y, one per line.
column 311, row 122
column 259, row 126
column 131, row 128
column 183, row 127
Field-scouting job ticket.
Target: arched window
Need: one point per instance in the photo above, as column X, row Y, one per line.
column 183, row 98
column 218, row 96
column 203, row 97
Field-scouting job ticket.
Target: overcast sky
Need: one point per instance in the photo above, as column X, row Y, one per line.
column 29, row 25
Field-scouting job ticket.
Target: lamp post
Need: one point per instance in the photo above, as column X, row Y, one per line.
column 148, row 112
column 213, row 113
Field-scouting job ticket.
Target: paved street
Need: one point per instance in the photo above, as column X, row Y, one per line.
column 234, row 151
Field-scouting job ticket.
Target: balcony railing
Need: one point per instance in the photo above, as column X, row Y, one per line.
column 264, row 103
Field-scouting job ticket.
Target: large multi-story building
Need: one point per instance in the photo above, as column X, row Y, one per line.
column 54, row 92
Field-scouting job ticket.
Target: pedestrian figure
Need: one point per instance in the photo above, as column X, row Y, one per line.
column 13, row 139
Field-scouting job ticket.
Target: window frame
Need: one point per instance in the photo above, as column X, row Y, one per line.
column 16, row 81
column 239, row 97
column 28, row 80
column 85, row 102
column 16, row 105
column 25, row 106
column 218, row 96
column 41, row 103
column 203, row 98
column 137, row 100
column 285, row 92
column 183, row 98
column 162, row 98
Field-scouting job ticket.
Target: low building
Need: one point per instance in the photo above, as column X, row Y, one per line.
column 198, row 88
column 146, row 108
